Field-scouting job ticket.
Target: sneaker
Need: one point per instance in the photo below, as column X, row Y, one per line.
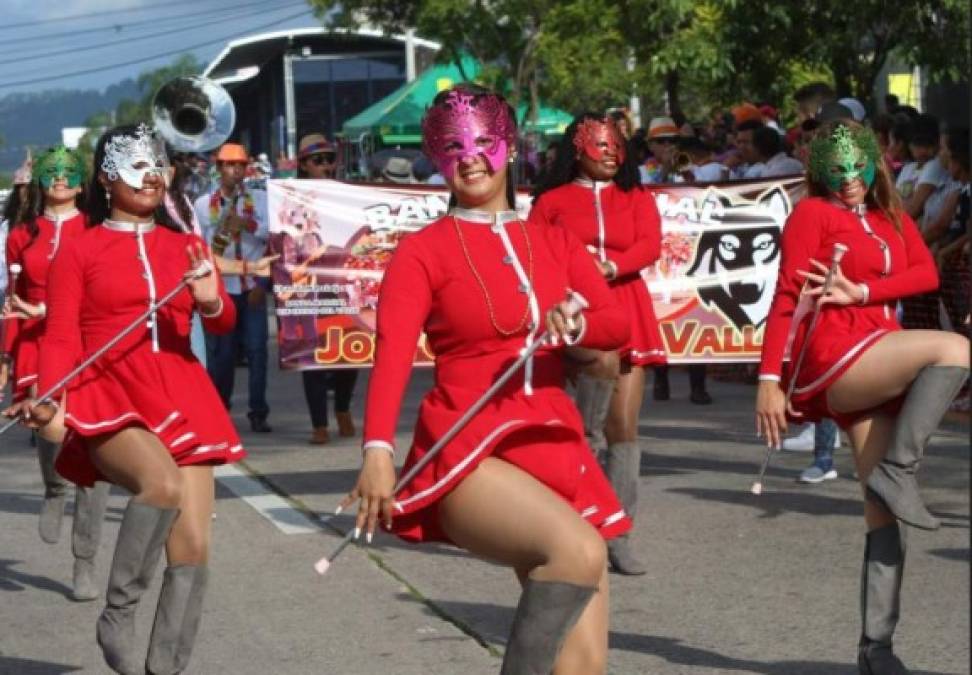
column 815, row 474
column 802, row 442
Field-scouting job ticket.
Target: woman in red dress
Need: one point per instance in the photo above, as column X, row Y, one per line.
column 145, row 416
column 53, row 219
column 888, row 388
column 518, row 485
column 594, row 190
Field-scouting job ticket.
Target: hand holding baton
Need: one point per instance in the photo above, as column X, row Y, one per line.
column 835, row 258
column 576, row 303
column 202, row 269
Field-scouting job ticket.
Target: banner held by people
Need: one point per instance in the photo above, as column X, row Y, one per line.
column 711, row 288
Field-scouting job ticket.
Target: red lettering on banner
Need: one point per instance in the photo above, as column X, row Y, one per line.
column 749, row 340
column 708, row 341
column 358, row 347
column 729, row 345
column 331, row 351
column 678, row 343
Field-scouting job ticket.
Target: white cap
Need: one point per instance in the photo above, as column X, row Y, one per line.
column 856, row 108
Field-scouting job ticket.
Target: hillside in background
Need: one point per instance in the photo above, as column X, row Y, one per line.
column 36, row 119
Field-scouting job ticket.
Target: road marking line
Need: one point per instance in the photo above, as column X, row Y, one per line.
column 271, row 506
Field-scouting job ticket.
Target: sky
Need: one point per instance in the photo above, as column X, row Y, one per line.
column 44, row 43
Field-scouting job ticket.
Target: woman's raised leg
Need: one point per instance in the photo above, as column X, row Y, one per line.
column 135, row 459
column 501, row 513
column 929, row 367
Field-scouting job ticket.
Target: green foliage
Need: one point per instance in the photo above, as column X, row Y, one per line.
column 689, row 55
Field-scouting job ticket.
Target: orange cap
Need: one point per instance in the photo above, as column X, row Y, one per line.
column 232, row 152
column 745, row 112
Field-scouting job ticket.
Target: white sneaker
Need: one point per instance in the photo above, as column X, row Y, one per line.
column 802, row 442
column 814, row 474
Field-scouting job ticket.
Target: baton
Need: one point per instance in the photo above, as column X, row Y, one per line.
column 835, row 258
column 577, row 303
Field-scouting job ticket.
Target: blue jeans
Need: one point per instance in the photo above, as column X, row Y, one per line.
column 251, row 328
column 824, row 437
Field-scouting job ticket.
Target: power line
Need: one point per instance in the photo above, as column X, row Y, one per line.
column 88, row 71
column 146, row 36
column 119, row 27
column 121, row 10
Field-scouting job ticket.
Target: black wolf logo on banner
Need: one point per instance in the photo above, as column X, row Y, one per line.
column 737, row 257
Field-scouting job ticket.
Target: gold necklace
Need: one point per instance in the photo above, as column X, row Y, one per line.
column 489, row 301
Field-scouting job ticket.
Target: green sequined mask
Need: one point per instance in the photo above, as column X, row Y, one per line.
column 843, row 156
column 59, row 162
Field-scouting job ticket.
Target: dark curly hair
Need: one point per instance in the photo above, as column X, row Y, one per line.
column 98, row 208
column 564, row 168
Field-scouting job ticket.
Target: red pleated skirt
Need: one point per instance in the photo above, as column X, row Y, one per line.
column 168, row 393
column 541, row 434
column 646, row 346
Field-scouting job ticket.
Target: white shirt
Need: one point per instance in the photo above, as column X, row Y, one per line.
column 934, row 173
column 253, row 245
column 905, row 183
column 781, row 164
column 709, row 172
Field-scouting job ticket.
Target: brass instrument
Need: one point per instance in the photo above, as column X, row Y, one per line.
column 195, row 114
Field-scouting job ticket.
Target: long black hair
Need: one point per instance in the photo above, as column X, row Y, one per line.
column 564, row 169
column 176, row 187
column 478, row 93
column 98, row 207
column 36, row 202
column 17, row 204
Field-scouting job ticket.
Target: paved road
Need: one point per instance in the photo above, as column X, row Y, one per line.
column 738, row 584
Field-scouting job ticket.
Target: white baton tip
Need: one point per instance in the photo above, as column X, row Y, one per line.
column 15, row 268
column 321, row 566
column 757, row 489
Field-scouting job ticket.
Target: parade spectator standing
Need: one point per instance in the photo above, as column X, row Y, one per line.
column 233, row 218
column 771, row 159
column 750, row 165
column 662, row 140
column 316, row 157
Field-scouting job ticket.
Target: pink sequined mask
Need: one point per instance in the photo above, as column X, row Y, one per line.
column 596, row 137
column 458, row 130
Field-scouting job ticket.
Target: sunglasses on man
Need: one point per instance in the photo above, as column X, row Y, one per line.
column 321, row 159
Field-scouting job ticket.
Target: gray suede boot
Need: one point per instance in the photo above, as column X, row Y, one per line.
column 880, row 601
column 593, row 401
column 176, row 619
column 546, row 613
column 89, row 513
column 893, row 479
column 623, row 467
column 55, row 492
column 141, row 539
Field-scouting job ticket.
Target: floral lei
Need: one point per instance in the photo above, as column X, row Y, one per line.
column 214, row 206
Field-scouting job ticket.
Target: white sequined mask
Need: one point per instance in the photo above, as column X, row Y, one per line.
column 132, row 157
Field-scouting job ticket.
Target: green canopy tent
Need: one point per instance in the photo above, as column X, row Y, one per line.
column 396, row 119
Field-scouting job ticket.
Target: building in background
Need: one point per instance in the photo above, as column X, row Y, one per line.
column 289, row 83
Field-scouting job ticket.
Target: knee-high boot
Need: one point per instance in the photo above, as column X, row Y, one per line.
column 884, row 557
column 176, row 619
column 623, row 467
column 893, row 479
column 89, row 513
column 594, row 401
column 546, row 613
column 55, row 492
column 141, row 539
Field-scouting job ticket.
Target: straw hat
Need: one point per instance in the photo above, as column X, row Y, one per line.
column 662, row 127
column 313, row 144
column 398, row 170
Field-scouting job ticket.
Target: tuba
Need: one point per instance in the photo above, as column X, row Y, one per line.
column 194, row 114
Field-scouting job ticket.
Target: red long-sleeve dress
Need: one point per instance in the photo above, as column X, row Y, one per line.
column 891, row 264
column 624, row 228
column 431, row 284
column 99, row 283
column 34, row 255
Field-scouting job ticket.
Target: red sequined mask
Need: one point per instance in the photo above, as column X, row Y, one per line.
column 595, row 138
